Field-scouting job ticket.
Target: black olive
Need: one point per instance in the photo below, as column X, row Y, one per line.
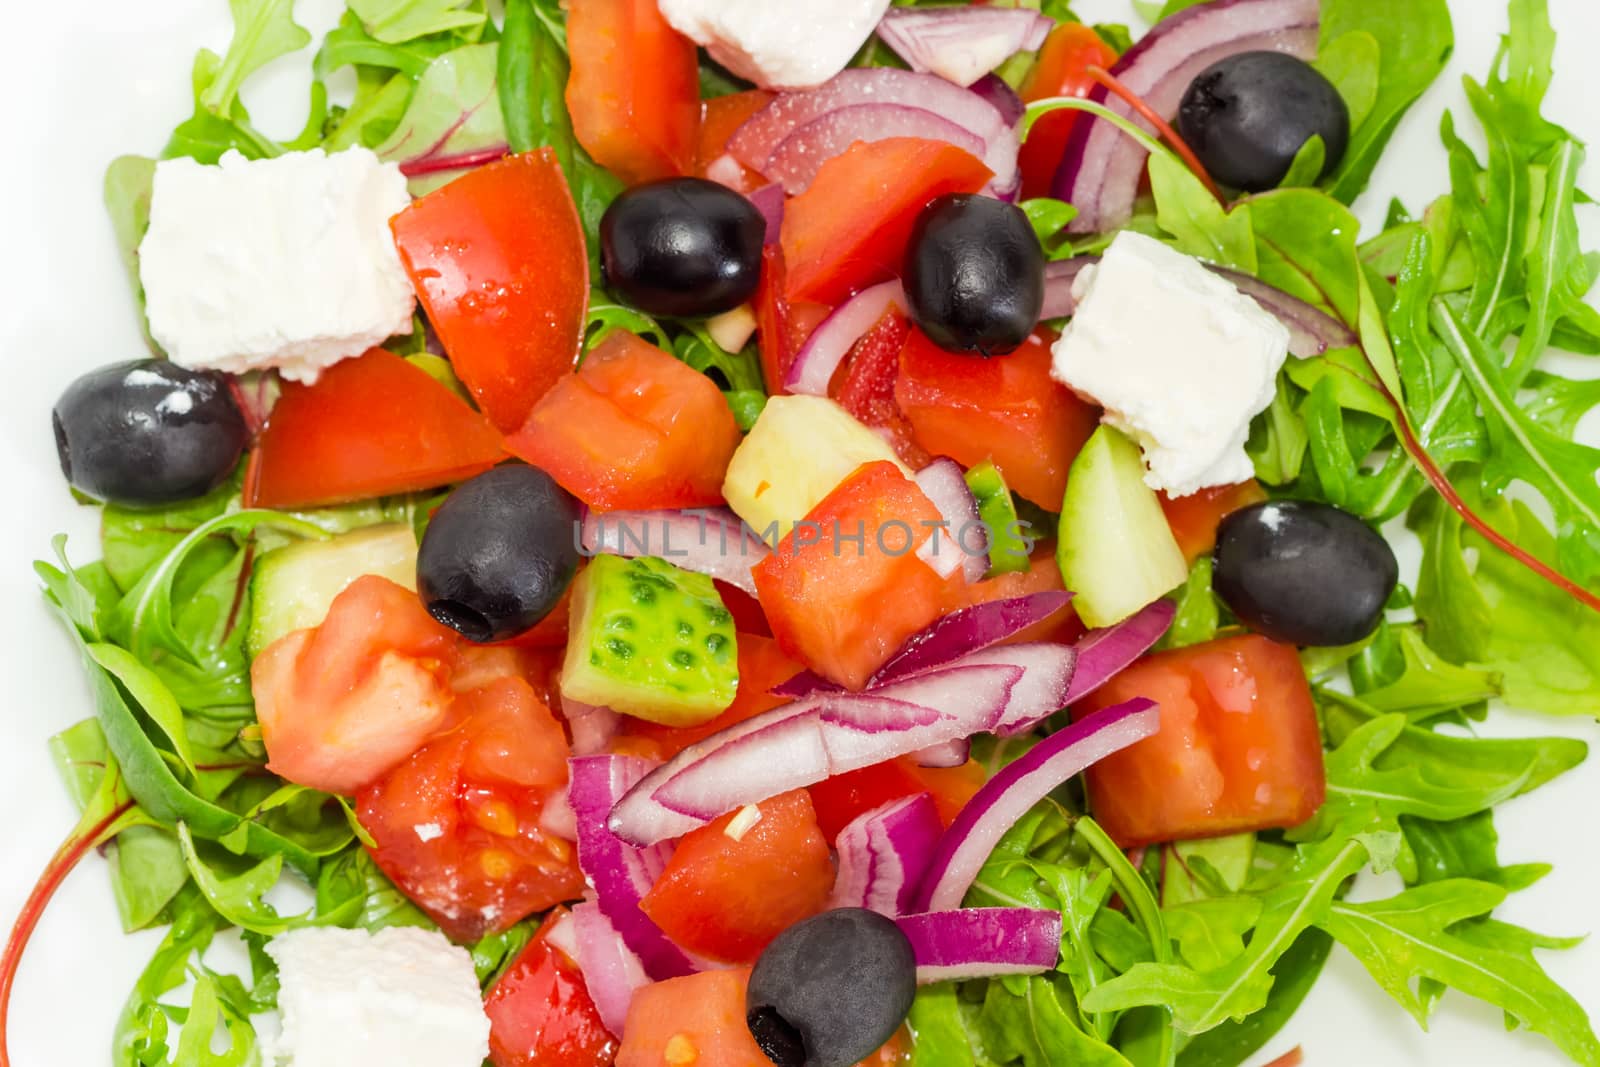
column 499, row 553
column 148, row 432
column 1247, row 116
column 975, row 274
column 829, row 991
column 682, row 246
column 1303, row 573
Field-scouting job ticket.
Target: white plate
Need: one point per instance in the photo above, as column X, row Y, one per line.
column 86, row 81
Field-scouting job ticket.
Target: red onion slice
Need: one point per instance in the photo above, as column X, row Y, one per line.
column 982, row 942
column 711, row 541
column 562, row 935
column 962, row 44
column 592, row 727
column 620, row 873
column 1105, row 653
column 884, row 853
column 967, row 630
column 962, row 544
column 949, row 754
column 1101, row 169
column 798, row 157
column 1048, row 670
column 770, row 200
column 813, row 368
column 1009, row 795
column 611, row 972
column 805, row 684
column 1059, row 277
column 994, row 89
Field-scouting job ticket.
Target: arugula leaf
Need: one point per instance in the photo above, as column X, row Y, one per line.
column 1033, row 1027
column 1293, row 976
column 351, row 887
column 1199, row 611
column 939, row 1033
column 398, row 21
column 1464, row 848
column 1425, row 684
column 263, row 30
column 1202, row 227
column 1049, row 218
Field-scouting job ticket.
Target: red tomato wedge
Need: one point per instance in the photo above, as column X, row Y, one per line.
column 696, row 1021
column 721, row 117
column 1007, row 409
column 1062, row 69
column 841, row 605
column 497, row 257
column 850, row 228
column 1195, row 518
column 727, row 897
column 370, row 426
column 634, row 428
column 867, row 391
column 1239, row 746
column 843, row 798
column 541, row 1015
column 634, row 92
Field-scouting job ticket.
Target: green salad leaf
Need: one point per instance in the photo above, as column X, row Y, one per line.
column 397, row 21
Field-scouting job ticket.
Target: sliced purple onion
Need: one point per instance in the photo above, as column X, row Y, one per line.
column 998, row 92
column 967, row 630
column 982, row 942
column 814, row 366
column 611, row 971
column 620, row 873
column 949, row 754
column 1059, row 277
column 797, row 159
column 1009, row 795
column 557, row 816
column 1046, row 682
column 593, row 728
column 805, row 684
column 962, row 544
column 562, row 935
column 962, row 44
column 1312, row 331
column 884, row 854
column 770, row 200
column 712, row 541
column 1105, row 653
column 1101, row 169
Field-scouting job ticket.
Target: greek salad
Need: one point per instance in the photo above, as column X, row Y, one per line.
column 823, row 533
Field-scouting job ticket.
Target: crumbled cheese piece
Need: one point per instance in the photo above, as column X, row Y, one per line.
column 778, row 44
column 402, row 997
column 285, row 262
column 1179, row 358
column 743, row 822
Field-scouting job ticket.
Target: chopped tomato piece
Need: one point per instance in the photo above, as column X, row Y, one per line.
column 497, row 257
column 748, row 618
column 1007, row 409
column 1042, row 576
column 696, row 1021
column 720, row 119
column 1195, row 518
column 762, row 665
column 634, row 92
column 895, row 1051
column 369, row 426
column 1239, row 747
column 343, row 703
column 726, row 898
column 845, row 588
column 843, row 798
column 850, row 228
column 634, row 428
column 541, row 1015
column 1062, row 69
column 867, row 391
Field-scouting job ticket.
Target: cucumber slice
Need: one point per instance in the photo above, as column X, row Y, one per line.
column 1008, row 550
column 293, row 587
column 1115, row 549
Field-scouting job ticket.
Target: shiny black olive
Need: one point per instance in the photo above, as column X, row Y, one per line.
column 1303, row 573
column 682, row 246
column 1247, row 116
column 148, row 432
column 974, row 274
column 499, row 553
column 829, row 991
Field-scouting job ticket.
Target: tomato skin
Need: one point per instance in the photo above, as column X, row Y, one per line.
column 762, row 665
column 720, row 119
column 1239, row 746
column 497, row 258
column 1195, row 518
column 782, row 324
column 1007, row 409
column 727, row 899
column 541, row 1015
column 843, row 607
column 850, row 228
column 369, row 426
column 702, row 1015
column 1061, row 70
column 1042, row 576
column 634, row 91
column 842, row 799
column 867, row 391
column 633, row 428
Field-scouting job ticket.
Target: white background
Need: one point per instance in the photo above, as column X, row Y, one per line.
column 88, row 80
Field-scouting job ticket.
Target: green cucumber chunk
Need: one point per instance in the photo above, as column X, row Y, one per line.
column 650, row 640
column 1115, row 549
column 1008, row 549
column 292, row 587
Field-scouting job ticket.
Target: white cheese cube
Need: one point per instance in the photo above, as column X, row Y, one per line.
column 778, row 44
column 1178, row 357
column 285, row 263
column 401, row 997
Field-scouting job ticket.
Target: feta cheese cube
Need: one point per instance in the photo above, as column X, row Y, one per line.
column 778, row 44
column 1179, row 358
column 285, row 262
column 402, row 997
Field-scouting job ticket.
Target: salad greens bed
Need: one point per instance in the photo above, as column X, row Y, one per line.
column 1194, row 954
